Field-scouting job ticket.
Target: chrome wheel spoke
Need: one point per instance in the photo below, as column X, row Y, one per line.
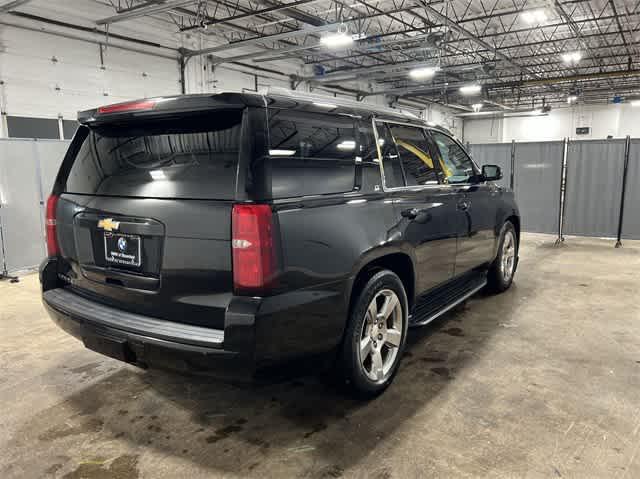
column 366, row 345
column 394, row 337
column 372, row 311
column 376, row 365
column 390, row 304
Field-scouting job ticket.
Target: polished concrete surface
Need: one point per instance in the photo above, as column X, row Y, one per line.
column 541, row 381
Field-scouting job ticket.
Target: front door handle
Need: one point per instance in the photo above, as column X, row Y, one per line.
column 464, row 205
column 410, row 213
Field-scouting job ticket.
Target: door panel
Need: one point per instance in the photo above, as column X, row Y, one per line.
column 475, row 201
column 424, row 219
column 476, row 238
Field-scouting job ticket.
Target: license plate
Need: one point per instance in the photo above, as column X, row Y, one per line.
column 122, row 249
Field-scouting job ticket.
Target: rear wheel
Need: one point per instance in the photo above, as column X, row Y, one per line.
column 375, row 336
column 503, row 268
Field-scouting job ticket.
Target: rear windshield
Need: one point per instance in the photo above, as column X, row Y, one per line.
column 193, row 157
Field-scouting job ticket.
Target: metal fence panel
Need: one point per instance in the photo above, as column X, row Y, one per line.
column 494, row 154
column 594, row 183
column 631, row 222
column 538, row 167
column 50, row 154
column 26, row 170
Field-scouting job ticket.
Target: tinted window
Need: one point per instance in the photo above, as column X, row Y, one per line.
column 194, row 157
column 371, row 179
column 311, row 135
column 310, row 154
column 456, row 164
column 390, row 158
column 419, row 168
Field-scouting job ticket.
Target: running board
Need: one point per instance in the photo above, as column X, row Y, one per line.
column 434, row 304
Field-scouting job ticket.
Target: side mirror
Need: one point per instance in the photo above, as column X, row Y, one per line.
column 491, row 173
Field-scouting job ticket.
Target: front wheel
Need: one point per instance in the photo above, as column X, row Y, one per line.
column 503, row 268
column 375, row 336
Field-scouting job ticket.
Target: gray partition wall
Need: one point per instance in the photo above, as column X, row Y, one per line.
column 538, row 167
column 594, row 184
column 27, row 170
column 631, row 223
column 494, row 154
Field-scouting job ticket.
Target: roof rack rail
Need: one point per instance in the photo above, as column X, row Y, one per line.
column 314, row 97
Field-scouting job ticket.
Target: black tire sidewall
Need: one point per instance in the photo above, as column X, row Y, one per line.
column 352, row 369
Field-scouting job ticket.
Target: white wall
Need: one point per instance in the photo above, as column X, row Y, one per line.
column 49, row 71
column 35, row 85
column 616, row 120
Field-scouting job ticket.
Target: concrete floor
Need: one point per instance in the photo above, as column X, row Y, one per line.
column 542, row 381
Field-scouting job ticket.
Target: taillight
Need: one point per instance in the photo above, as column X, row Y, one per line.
column 51, row 226
column 254, row 259
column 138, row 105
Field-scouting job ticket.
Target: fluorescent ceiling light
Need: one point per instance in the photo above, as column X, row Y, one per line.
column 347, row 145
column 571, row 57
column 571, row 98
column 470, row 89
column 337, row 40
column 476, row 107
column 535, row 16
column 158, row 175
column 325, row 105
column 282, row 152
column 635, row 102
column 423, row 72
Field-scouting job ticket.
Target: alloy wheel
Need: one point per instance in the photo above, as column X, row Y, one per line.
column 381, row 335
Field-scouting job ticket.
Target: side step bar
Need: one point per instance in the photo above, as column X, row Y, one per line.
column 434, row 304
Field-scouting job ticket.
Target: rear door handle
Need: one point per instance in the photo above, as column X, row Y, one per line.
column 464, row 205
column 410, row 213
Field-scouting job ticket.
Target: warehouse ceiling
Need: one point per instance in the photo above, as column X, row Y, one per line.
column 522, row 54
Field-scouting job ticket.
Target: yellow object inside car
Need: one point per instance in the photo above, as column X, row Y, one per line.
column 424, row 156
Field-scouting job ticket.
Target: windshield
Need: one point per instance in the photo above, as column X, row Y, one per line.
column 191, row 157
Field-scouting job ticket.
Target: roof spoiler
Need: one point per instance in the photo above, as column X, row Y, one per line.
column 163, row 106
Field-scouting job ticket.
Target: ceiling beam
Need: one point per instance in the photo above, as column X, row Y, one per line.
column 144, row 11
column 7, row 7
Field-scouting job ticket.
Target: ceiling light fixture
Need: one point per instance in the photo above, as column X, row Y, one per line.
column 470, row 89
column 476, row 107
column 346, row 145
column 423, row 72
column 571, row 57
column 282, row 152
column 535, row 16
column 338, row 39
column 572, row 99
column 329, row 106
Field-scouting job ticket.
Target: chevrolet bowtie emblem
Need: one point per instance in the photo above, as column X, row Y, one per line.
column 108, row 224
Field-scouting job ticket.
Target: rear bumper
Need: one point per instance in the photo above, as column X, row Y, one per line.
column 144, row 341
column 258, row 332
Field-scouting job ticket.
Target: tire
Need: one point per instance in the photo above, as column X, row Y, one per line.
column 503, row 268
column 381, row 342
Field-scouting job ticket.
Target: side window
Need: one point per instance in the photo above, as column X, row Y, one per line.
column 368, row 151
column 390, row 158
column 310, row 154
column 456, row 164
column 311, row 135
column 415, row 156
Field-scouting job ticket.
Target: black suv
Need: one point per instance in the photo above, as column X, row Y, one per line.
column 231, row 232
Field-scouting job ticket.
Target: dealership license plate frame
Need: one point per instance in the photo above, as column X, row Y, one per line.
column 109, row 251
